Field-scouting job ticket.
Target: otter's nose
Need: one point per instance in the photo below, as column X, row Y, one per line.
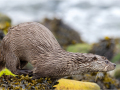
column 114, row 65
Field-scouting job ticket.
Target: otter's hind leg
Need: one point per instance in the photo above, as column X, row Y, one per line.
column 13, row 64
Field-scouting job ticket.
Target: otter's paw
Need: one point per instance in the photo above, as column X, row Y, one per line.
column 25, row 72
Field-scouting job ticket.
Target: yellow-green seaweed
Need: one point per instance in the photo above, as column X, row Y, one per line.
column 6, row 72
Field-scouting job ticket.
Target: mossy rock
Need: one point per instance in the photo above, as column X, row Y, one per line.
column 104, row 47
column 66, row 84
column 105, row 81
column 10, row 81
column 116, row 58
column 117, row 73
column 5, row 23
column 81, row 47
column 4, row 18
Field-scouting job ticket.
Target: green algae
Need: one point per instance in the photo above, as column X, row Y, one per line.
column 6, row 72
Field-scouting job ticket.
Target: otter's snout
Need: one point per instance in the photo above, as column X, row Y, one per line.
column 114, row 65
column 111, row 66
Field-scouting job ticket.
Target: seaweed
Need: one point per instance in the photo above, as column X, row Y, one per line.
column 8, row 80
column 105, row 81
column 25, row 82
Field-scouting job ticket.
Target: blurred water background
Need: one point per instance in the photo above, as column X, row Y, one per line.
column 93, row 19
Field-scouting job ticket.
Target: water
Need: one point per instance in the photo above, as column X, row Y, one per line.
column 93, row 19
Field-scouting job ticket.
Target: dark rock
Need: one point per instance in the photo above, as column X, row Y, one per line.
column 105, row 48
column 64, row 34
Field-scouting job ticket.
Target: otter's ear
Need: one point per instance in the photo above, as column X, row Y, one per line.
column 94, row 58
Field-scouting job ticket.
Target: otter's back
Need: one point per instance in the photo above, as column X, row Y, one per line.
column 31, row 35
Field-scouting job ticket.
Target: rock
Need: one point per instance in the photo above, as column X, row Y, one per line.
column 80, row 47
column 4, row 18
column 66, row 84
column 5, row 23
column 64, row 34
column 105, row 48
column 116, row 58
column 106, row 82
column 116, row 72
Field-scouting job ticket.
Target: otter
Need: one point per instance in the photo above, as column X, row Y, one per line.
column 34, row 43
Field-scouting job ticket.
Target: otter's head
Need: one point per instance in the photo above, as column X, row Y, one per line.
column 101, row 63
column 91, row 63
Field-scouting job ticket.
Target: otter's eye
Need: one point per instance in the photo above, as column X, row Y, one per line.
column 106, row 62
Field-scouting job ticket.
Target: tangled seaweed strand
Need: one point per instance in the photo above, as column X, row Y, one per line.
column 25, row 82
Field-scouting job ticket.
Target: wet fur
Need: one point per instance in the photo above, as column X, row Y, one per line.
column 34, row 43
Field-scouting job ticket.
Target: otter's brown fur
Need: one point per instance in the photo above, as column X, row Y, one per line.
column 34, row 43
